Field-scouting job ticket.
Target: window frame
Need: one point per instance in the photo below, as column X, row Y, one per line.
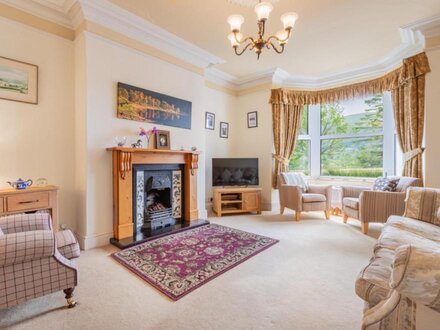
column 314, row 136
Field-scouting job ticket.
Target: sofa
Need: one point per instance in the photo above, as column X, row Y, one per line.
column 296, row 194
column 35, row 260
column 369, row 205
column 404, row 271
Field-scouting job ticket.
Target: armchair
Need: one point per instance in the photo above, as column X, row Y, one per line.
column 31, row 259
column 303, row 199
column 368, row 205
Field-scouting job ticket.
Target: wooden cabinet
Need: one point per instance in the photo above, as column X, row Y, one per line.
column 31, row 199
column 236, row 200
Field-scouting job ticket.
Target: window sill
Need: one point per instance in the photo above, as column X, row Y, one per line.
column 342, row 181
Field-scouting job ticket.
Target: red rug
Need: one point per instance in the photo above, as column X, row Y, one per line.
column 180, row 263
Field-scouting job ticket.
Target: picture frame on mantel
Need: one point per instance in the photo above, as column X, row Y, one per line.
column 224, row 130
column 18, row 81
column 163, row 140
column 252, row 119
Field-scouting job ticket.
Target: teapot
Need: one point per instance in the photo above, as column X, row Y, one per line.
column 20, row 184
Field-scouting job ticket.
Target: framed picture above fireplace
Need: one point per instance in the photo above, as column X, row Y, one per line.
column 135, row 103
column 163, row 140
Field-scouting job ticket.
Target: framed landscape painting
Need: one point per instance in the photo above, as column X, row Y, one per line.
column 139, row 104
column 18, row 81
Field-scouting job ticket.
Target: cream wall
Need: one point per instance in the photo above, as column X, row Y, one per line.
column 432, row 131
column 256, row 142
column 38, row 140
column 224, row 107
column 106, row 64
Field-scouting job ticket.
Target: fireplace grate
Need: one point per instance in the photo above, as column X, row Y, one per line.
column 159, row 219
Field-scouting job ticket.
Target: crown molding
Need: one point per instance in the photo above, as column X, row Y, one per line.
column 115, row 18
column 413, row 41
column 45, row 9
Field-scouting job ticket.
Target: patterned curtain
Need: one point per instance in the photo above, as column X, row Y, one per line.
column 286, row 125
column 409, row 114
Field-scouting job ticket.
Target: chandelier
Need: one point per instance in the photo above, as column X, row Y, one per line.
column 275, row 42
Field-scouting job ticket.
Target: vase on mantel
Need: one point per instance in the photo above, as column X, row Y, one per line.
column 147, row 134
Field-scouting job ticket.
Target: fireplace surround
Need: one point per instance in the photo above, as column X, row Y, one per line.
column 159, row 181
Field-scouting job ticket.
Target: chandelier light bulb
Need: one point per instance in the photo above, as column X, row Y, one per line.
column 235, row 21
column 289, row 20
column 234, row 38
column 263, row 10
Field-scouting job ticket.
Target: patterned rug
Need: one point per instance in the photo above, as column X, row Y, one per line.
column 180, row 263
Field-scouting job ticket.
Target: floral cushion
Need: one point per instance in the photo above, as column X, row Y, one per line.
column 420, row 228
column 416, row 272
column 386, row 184
column 392, row 237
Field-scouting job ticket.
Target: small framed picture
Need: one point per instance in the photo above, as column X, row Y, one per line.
column 209, row 120
column 224, row 130
column 163, row 140
column 252, row 119
column 18, row 81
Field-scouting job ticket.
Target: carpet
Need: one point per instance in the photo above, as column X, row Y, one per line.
column 180, row 263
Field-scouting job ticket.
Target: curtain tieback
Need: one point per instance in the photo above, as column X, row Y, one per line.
column 281, row 159
column 407, row 156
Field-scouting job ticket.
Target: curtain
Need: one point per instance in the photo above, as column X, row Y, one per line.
column 286, row 125
column 409, row 113
column 407, row 86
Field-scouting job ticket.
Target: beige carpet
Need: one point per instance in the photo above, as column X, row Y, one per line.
column 304, row 282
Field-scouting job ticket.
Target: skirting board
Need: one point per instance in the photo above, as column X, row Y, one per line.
column 97, row 240
column 93, row 241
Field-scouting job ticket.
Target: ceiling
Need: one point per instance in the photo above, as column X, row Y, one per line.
column 330, row 36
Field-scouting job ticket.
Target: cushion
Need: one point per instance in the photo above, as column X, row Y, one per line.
column 295, row 179
column 386, row 184
column 351, row 202
column 415, row 274
column 67, row 244
column 423, row 204
column 420, row 228
column 311, row 198
column 372, row 284
column 1, row 233
column 392, row 237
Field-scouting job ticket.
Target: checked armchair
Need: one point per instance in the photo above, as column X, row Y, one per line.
column 35, row 260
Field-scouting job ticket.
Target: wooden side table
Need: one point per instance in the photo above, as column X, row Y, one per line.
column 13, row 201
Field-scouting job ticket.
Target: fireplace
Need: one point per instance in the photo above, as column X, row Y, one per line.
column 154, row 193
column 158, row 203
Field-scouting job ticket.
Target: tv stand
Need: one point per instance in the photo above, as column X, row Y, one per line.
column 236, row 200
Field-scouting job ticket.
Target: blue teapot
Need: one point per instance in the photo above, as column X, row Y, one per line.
column 20, row 184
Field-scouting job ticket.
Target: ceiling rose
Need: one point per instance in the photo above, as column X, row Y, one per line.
column 248, row 3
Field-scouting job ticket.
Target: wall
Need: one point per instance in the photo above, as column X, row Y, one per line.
column 432, row 132
column 224, row 107
column 138, row 69
column 256, row 142
column 38, row 140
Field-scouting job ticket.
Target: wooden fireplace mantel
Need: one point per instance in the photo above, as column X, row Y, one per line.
column 122, row 163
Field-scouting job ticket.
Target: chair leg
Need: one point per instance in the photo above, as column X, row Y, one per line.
column 327, row 214
column 69, row 297
column 345, row 218
column 297, row 215
column 364, row 226
column 282, row 209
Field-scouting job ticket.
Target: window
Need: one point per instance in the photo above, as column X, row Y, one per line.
column 347, row 139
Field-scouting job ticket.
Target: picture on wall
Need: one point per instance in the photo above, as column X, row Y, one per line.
column 209, row 120
column 252, row 119
column 224, row 130
column 18, row 81
column 139, row 104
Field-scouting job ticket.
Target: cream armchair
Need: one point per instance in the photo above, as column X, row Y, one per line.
column 34, row 260
column 366, row 205
column 304, row 199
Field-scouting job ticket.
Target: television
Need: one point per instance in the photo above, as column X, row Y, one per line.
column 235, row 172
